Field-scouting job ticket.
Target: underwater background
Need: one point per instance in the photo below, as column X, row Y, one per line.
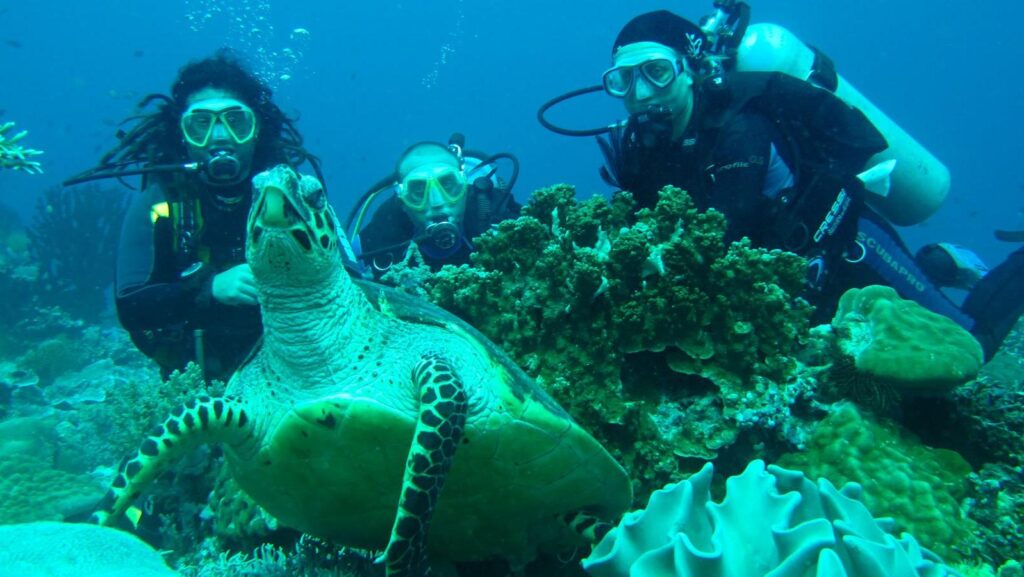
column 373, row 77
column 368, row 79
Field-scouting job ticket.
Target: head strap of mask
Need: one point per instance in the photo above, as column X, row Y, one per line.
column 457, row 142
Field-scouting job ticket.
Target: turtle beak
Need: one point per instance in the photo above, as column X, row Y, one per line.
column 276, row 211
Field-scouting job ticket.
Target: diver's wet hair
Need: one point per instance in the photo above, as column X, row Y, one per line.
column 155, row 137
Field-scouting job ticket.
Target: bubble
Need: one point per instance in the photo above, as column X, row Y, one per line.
column 246, row 26
column 453, row 40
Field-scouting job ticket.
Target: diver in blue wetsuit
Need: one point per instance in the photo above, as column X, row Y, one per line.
column 787, row 161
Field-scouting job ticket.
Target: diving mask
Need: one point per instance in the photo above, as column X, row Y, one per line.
column 198, row 123
column 659, row 72
column 416, row 188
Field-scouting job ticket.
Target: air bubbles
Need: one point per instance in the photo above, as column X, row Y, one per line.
column 453, row 41
column 246, row 26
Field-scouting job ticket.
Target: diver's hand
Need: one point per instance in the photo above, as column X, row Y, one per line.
column 235, row 286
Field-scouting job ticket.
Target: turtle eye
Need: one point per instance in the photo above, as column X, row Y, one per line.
column 316, row 198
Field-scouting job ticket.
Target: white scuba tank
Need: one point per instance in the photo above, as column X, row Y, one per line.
column 919, row 181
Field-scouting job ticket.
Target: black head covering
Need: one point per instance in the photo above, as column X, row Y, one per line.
column 666, row 28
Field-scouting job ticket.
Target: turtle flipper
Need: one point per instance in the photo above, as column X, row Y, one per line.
column 442, row 419
column 204, row 420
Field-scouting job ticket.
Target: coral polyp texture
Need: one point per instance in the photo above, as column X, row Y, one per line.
column 903, row 344
column 772, row 521
column 637, row 320
column 15, row 156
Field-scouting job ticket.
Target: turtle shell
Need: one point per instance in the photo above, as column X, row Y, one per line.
column 333, row 466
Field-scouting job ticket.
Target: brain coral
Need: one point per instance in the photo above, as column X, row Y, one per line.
column 902, row 343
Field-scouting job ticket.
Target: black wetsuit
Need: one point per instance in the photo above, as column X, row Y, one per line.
column 165, row 271
column 737, row 159
column 385, row 239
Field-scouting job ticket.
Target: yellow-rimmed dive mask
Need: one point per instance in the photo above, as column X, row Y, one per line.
column 659, row 72
column 416, row 188
column 200, row 119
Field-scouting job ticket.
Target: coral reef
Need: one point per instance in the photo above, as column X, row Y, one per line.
column 771, row 522
column 73, row 238
column 35, row 483
column 76, row 549
column 990, row 409
column 14, row 155
column 996, row 505
column 309, row 557
column 633, row 318
column 902, row 344
column 920, row 487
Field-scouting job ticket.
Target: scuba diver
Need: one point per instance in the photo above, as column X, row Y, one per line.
column 183, row 289
column 444, row 196
column 792, row 156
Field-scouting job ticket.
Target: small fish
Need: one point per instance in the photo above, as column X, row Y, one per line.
column 14, row 43
column 139, row 53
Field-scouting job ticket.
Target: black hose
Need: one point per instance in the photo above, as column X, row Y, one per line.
column 560, row 99
column 94, row 174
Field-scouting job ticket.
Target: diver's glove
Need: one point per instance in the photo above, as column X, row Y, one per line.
column 951, row 265
column 235, row 287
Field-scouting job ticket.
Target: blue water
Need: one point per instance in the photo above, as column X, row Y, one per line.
column 373, row 77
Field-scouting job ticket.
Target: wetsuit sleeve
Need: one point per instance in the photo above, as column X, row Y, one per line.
column 149, row 290
column 738, row 175
column 997, row 302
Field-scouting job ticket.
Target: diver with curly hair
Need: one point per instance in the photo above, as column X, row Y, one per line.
column 183, row 289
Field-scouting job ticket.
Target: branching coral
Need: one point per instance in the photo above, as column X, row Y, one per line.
column 582, row 293
column 74, row 240
column 14, row 155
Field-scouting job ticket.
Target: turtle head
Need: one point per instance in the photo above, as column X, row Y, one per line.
column 292, row 231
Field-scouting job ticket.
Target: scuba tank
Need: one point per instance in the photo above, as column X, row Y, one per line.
column 919, row 181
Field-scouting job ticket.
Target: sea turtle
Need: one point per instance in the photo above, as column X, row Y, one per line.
column 350, row 417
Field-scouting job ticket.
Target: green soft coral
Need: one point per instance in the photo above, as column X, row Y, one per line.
column 14, row 155
column 577, row 292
